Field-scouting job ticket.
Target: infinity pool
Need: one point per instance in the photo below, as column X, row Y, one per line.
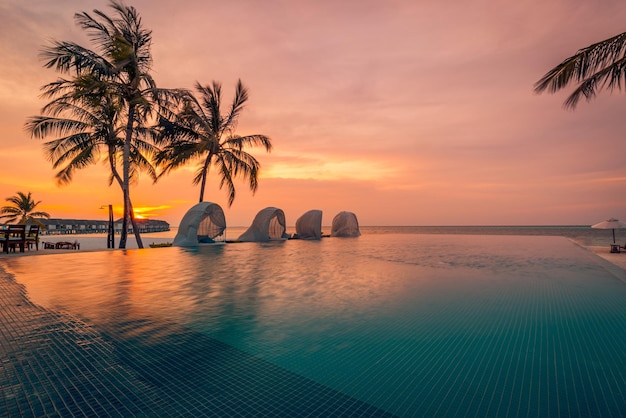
column 398, row 324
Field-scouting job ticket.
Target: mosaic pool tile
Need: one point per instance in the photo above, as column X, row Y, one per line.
column 514, row 331
column 53, row 365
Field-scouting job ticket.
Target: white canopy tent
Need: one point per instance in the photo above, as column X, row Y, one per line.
column 268, row 224
column 204, row 223
column 345, row 224
column 309, row 225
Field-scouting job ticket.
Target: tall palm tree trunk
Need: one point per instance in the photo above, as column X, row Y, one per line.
column 202, row 188
column 134, row 224
column 126, row 174
column 120, row 181
column 205, row 170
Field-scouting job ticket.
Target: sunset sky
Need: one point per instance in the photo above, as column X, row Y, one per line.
column 406, row 112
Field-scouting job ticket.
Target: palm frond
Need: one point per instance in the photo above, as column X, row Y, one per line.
column 43, row 126
column 226, row 178
column 610, row 78
column 241, row 97
column 67, row 56
column 75, row 159
column 598, row 66
column 98, row 32
column 198, row 177
column 39, row 214
column 236, row 141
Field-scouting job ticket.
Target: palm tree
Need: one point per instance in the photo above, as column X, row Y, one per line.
column 200, row 132
column 599, row 66
column 118, row 67
column 86, row 124
column 23, row 210
column 86, row 127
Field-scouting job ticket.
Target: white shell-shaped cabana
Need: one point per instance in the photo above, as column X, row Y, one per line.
column 345, row 224
column 309, row 225
column 268, row 224
column 204, row 223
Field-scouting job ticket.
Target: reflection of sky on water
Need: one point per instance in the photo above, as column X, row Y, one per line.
column 344, row 312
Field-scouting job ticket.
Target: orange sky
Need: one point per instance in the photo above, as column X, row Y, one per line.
column 404, row 112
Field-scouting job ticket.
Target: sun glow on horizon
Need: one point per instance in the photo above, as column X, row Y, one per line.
column 147, row 212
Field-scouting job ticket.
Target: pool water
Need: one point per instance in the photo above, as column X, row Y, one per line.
column 426, row 325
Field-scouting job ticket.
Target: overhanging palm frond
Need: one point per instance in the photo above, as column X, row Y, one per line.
column 74, row 162
column 611, row 78
column 599, row 66
column 197, row 179
column 245, row 165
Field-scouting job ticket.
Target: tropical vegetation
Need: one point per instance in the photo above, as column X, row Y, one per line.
column 108, row 102
column 22, row 210
column 86, row 129
column 105, row 106
column 201, row 133
column 601, row 65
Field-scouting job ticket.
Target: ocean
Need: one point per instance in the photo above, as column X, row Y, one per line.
column 427, row 321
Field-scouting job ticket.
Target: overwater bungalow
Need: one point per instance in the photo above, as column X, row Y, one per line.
column 56, row 226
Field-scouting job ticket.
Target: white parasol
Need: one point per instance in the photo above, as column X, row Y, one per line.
column 610, row 224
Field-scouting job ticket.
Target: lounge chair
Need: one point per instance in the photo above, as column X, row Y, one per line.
column 12, row 237
column 32, row 237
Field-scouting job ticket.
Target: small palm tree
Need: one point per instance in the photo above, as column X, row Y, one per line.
column 200, row 132
column 599, row 66
column 23, row 210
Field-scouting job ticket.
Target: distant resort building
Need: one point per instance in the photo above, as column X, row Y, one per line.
column 80, row 226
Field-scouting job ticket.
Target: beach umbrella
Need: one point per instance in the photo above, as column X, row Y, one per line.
column 610, row 224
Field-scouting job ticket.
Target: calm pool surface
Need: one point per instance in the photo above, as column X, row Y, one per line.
column 430, row 325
